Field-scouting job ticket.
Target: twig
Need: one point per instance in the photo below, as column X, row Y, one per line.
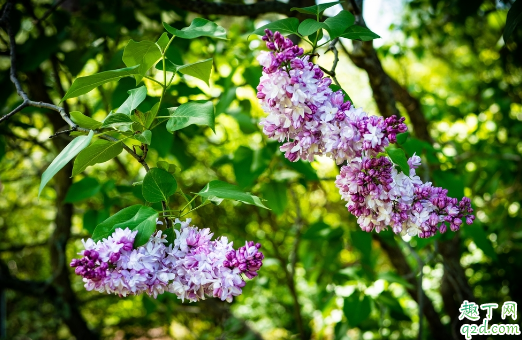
column 62, row 132
column 331, row 73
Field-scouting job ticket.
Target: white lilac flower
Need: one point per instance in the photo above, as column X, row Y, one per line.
column 192, row 267
column 310, row 119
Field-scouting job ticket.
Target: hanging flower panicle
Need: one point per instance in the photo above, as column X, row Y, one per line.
column 193, row 267
column 311, row 119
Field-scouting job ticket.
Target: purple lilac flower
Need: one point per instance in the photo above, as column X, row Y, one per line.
column 193, row 267
column 310, row 119
column 305, row 114
column 380, row 196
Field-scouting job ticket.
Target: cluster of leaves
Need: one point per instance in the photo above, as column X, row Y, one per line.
column 311, row 30
column 128, row 123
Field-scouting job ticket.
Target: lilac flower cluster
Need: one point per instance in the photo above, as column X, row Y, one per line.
column 311, row 119
column 308, row 116
column 192, row 267
column 380, row 196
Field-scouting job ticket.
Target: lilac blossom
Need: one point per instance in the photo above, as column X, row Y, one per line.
column 193, row 267
column 307, row 116
column 310, row 119
column 380, row 196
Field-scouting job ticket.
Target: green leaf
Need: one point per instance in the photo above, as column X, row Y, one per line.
column 86, row 84
column 399, row 158
column 135, row 217
column 117, row 120
column 200, row 69
column 99, row 152
column 316, row 10
column 276, row 197
column 136, row 97
column 198, row 28
column 223, row 190
column 514, row 17
column 68, row 153
column 163, row 41
column 84, row 121
column 283, row 26
column 357, row 32
column 145, row 137
column 195, row 112
column 309, row 26
column 338, row 24
column 83, row 189
column 151, row 115
column 145, row 230
column 357, row 308
column 158, row 185
column 169, row 66
column 144, row 53
column 402, row 137
column 316, row 36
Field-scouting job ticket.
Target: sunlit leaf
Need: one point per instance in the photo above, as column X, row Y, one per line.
column 100, row 151
column 357, row 32
column 200, row 69
column 399, row 158
column 198, row 28
column 338, row 24
column 283, row 26
column 309, row 26
column 82, row 85
column 143, row 53
column 163, row 41
column 135, row 217
column 117, row 120
column 68, row 153
column 223, row 190
column 145, row 137
column 194, row 112
column 84, row 121
column 158, row 185
column 136, row 97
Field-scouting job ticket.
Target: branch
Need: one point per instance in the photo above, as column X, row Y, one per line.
column 222, row 8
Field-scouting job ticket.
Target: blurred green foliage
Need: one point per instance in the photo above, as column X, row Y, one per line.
column 320, row 269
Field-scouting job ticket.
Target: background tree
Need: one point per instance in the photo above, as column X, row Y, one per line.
column 448, row 71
